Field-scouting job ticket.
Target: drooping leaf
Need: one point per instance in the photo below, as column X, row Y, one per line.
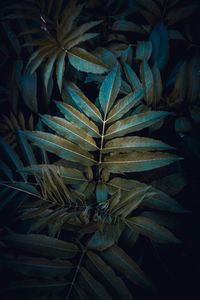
column 34, row 266
column 94, row 288
column 108, row 275
column 118, row 259
column 41, row 245
column 70, row 175
column 151, row 229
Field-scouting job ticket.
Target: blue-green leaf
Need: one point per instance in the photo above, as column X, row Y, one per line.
column 134, row 123
column 61, row 147
column 160, row 41
column 124, row 105
column 110, row 89
column 85, row 61
column 83, row 103
column 11, row 156
column 144, row 50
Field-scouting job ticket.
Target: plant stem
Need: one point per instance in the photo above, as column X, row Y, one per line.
column 75, row 275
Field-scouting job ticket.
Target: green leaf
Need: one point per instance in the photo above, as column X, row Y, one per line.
column 158, row 88
column 48, row 69
column 151, row 229
column 22, row 187
column 135, row 143
column 123, row 25
column 61, row 147
column 70, row 132
column 124, row 105
column 132, row 77
column 109, row 90
column 78, row 34
column 28, row 87
column 11, row 156
column 36, row 267
column 150, row 6
column 38, row 57
column 101, row 193
column 26, row 148
column 41, row 245
column 119, row 260
column 92, row 286
column 129, row 202
column 175, row 16
column 39, row 285
column 160, row 41
column 148, row 81
column 80, row 39
column 138, row 161
column 155, row 198
column 171, row 184
column 83, row 103
column 74, row 116
column 85, row 61
column 60, row 69
column 134, row 123
column 160, row 200
column 70, row 175
column 144, row 50
column 6, row 170
column 108, row 276
column 102, row 240
column 7, row 197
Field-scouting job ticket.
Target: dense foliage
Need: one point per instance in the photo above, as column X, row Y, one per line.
column 89, row 172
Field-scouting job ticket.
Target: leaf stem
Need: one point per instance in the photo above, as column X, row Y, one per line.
column 75, row 274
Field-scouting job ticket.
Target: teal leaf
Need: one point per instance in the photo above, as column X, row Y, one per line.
column 61, row 147
column 160, row 41
column 85, row 61
column 28, row 87
column 124, row 105
column 119, row 260
column 134, row 123
column 11, row 156
column 83, row 103
column 110, row 89
column 144, row 50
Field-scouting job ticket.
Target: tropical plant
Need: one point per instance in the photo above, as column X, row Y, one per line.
column 87, row 184
column 87, row 192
